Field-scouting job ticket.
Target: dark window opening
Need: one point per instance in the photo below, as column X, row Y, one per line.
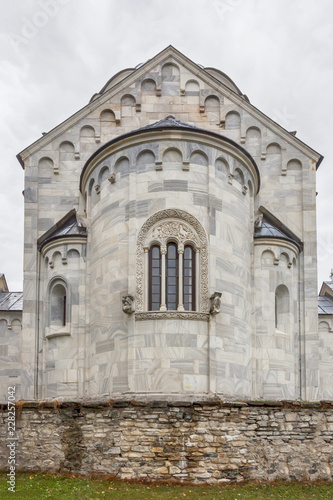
column 172, row 277
column 154, row 278
column 189, row 279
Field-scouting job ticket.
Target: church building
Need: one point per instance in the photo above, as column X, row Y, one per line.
column 170, row 249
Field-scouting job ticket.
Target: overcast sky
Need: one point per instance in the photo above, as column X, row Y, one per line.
column 55, row 54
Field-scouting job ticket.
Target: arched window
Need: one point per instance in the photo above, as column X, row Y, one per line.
column 172, row 274
column 58, row 320
column 58, row 305
column 172, row 266
column 172, row 278
column 154, row 278
column 189, row 278
column 282, row 308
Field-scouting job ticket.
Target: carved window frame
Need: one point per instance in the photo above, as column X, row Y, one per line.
column 160, row 229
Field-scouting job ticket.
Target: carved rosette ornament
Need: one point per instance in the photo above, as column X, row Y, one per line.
column 172, row 225
column 128, row 304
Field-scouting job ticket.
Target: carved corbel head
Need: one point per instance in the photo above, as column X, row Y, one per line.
column 128, row 304
column 215, row 303
column 112, row 178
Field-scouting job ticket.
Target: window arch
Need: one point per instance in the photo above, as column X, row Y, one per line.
column 172, row 264
column 154, row 278
column 171, row 278
column 59, row 311
column 282, row 308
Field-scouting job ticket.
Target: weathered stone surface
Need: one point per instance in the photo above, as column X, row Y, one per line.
column 219, row 444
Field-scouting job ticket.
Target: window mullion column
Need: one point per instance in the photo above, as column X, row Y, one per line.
column 180, row 278
column 163, row 282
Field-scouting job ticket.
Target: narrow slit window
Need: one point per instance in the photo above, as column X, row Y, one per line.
column 172, row 277
column 154, row 278
column 189, row 278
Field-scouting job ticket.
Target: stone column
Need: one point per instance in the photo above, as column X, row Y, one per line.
column 163, row 254
column 180, row 278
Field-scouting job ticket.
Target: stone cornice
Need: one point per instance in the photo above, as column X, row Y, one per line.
column 206, row 138
column 189, row 315
column 63, row 240
column 277, row 242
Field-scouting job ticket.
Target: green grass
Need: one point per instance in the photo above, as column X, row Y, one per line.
column 44, row 486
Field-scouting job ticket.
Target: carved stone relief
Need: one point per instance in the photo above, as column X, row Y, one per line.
column 128, row 304
column 215, row 303
column 184, row 228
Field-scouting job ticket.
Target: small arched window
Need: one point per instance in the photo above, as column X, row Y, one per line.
column 172, row 274
column 282, row 308
column 154, row 278
column 172, row 278
column 189, row 278
column 58, row 301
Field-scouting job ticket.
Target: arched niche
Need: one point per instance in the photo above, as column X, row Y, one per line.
column 222, row 169
column 91, row 186
column 267, row 258
column 66, row 151
column 250, row 188
column 239, row 176
column 107, row 121
column 282, row 308
column 148, row 87
column 274, row 158
column 3, row 327
column 212, row 108
column 108, row 116
column 122, row 166
column 192, row 88
column 87, row 134
column 170, row 79
column 253, row 141
column 103, row 174
column 199, row 158
column 127, row 105
column 73, row 258
column 144, row 158
column 172, row 155
column 284, row 260
column 324, row 327
column 232, row 120
column 45, row 166
column 294, row 165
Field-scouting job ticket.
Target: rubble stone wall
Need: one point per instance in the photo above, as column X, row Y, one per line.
column 195, row 441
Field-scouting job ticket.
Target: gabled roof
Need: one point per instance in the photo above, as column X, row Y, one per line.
column 71, row 225
column 169, row 121
column 209, row 76
column 325, row 305
column 271, row 227
column 11, row 301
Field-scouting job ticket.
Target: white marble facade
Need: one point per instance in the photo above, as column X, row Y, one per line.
column 170, row 152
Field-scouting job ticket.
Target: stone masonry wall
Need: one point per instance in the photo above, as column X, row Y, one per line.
column 198, row 442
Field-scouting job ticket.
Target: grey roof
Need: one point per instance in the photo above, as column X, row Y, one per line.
column 70, row 225
column 11, row 301
column 70, row 228
column 270, row 230
column 325, row 305
column 169, row 121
